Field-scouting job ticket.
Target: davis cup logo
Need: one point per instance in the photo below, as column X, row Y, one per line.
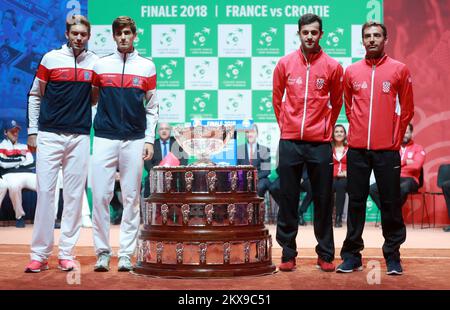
column 386, row 86
column 200, row 37
column 266, row 37
column 234, row 103
column 335, row 37
column 234, row 37
column 200, row 102
column 167, row 38
column 168, row 103
column 166, row 71
column 233, row 70
column 320, row 83
column 266, row 71
column 265, row 105
column 101, row 38
column 200, row 70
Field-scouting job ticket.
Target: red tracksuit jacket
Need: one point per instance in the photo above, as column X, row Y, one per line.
column 339, row 165
column 378, row 103
column 312, row 91
column 416, row 153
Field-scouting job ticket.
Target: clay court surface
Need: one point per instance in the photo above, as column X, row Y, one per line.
column 425, row 258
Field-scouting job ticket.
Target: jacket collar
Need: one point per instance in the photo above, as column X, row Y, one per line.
column 126, row 56
column 311, row 58
column 376, row 61
column 66, row 49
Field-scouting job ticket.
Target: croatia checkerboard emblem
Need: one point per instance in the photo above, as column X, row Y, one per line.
column 386, row 86
column 135, row 81
column 320, row 83
column 87, row 75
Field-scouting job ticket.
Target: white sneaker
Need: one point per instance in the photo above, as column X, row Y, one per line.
column 102, row 264
column 124, row 264
column 86, row 221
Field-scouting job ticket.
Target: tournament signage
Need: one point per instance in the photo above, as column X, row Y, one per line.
column 215, row 59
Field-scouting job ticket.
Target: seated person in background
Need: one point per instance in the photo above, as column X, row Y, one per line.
column 16, row 165
column 252, row 153
column 3, row 189
column 412, row 158
column 340, row 170
column 305, row 186
column 164, row 145
column 446, row 192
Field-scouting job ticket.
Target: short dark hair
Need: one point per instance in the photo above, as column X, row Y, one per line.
column 309, row 18
column 124, row 21
column 410, row 126
column 374, row 24
column 78, row 20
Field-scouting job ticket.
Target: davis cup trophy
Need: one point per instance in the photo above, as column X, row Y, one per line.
column 203, row 141
column 204, row 220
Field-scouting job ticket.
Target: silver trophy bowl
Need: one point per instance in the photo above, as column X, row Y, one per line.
column 203, row 141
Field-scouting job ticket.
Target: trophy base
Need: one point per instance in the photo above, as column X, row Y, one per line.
column 194, row 252
column 203, row 222
column 182, row 271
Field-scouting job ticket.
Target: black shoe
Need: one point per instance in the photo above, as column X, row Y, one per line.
column 301, row 220
column 446, row 228
column 57, row 224
column 394, row 268
column 338, row 222
column 20, row 223
column 350, row 265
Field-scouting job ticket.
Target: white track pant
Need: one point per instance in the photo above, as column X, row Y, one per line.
column 85, row 211
column 70, row 151
column 15, row 182
column 107, row 157
column 3, row 190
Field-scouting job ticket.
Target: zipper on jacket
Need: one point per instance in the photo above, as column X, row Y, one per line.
column 306, row 100
column 121, row 86
column 370, row 107
column 75, row 58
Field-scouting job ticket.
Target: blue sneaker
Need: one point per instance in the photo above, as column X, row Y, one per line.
column 350, row 265
column 394, row 268
column 20, row 223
